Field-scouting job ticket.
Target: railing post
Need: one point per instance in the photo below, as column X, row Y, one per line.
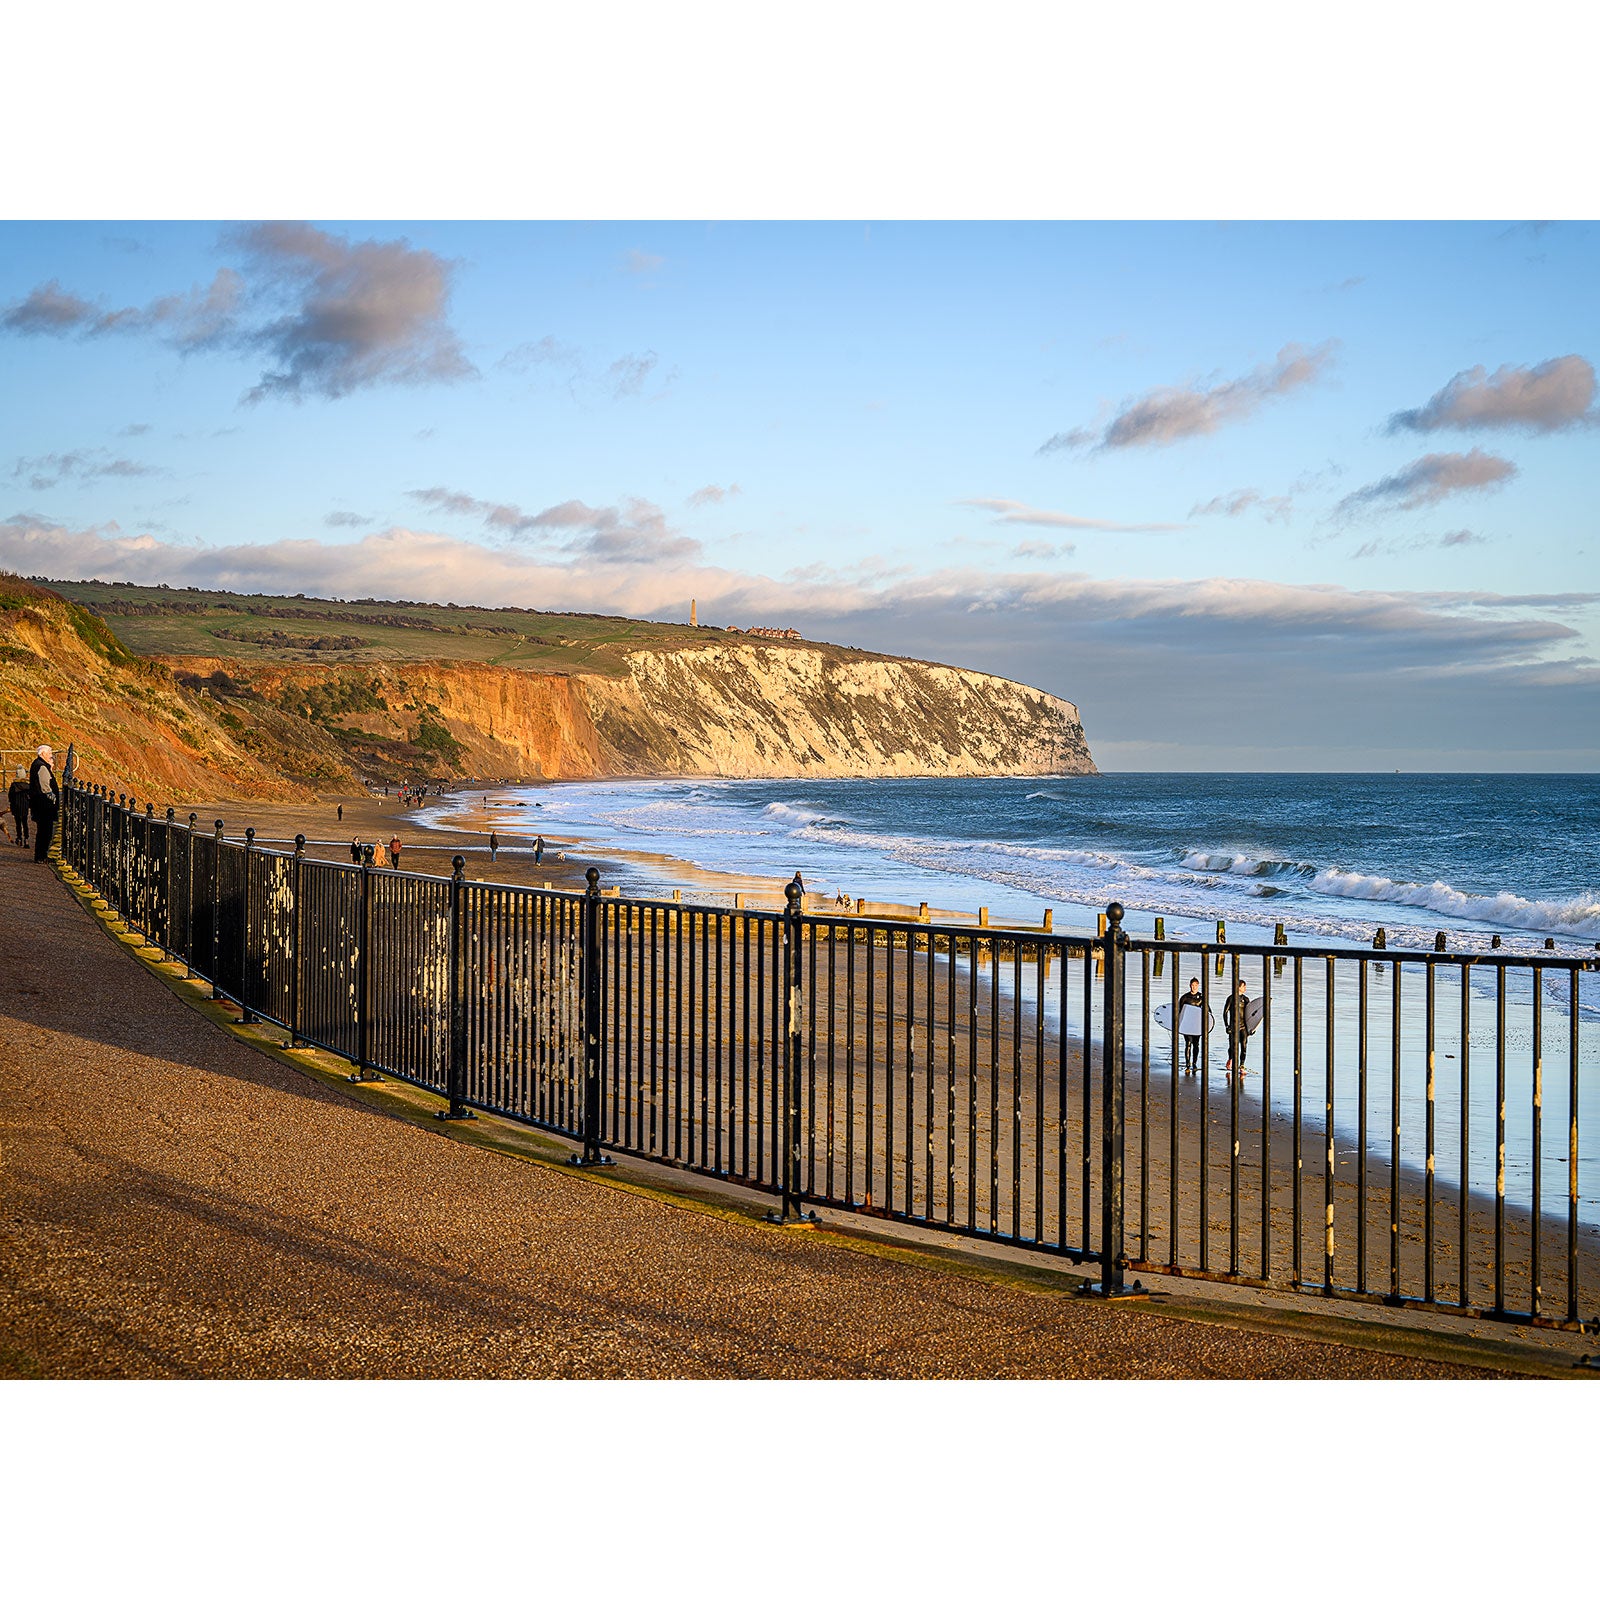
column 245, row 1013
column 122, row 856
column 1113, row 1256
column 456, row 1073
column 146, row 877
column 793, row 1097
column 593, row 1022
column 216, row 884
column 166, row 890
column 188, row 901
column 364, row 1072
column 295, row 941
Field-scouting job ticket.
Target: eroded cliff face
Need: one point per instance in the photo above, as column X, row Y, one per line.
column 738, row 711
column 65, row 680
column 750, row 710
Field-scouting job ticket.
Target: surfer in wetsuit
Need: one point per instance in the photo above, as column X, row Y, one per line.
column 1236, row 1019
column 1191, row 1041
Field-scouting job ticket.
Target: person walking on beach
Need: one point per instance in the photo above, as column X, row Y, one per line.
column 44, row 799
column 494, row 844
column 341, row 813
column 394, row 852
column 538, row 850
column 1191, row 1024
column 1236, row 1019
column 17, row 799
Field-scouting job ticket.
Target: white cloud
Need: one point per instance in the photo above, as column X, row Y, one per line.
column 1553, row 395
column 712, row 495
column 1167, row 415
column 332, row 316
column 1010, row 512
column 1273, row 508
column 1428, row 480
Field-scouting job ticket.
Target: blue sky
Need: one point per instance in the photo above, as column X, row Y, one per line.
column 1274, row 495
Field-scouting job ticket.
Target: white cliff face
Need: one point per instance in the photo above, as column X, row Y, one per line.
column 751, row 710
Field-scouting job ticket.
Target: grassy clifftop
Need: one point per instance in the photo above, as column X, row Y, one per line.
column 259, row 628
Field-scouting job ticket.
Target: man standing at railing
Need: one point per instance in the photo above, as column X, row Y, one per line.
column 44, row 800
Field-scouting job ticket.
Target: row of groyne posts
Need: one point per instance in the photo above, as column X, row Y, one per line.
column 1385, row 1133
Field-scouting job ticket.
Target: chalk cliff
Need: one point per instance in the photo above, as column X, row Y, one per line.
column 747, row 711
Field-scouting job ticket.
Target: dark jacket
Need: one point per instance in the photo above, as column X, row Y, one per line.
column 17, row 796
column 43, row 795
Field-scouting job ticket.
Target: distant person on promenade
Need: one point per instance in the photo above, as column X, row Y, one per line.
column 17, row 798
column 44, row 799
column 1190, row 1028
column 494, row 844
column 394, row 852
column 355, row 851
column 341, row 813
column 1236, row 1019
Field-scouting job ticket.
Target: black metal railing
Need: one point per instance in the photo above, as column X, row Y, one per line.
column 1408, row 1126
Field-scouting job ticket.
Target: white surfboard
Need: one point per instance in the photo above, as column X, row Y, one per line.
column 1191, row 1020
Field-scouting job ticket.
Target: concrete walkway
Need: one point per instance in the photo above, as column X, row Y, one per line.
column 174, row 1202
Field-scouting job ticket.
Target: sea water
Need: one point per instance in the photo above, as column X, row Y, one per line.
column 1330, row 856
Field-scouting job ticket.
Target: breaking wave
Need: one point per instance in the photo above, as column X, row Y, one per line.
column 1576, row 918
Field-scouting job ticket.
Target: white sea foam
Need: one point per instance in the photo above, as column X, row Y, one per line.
column 1575, row 918
column 1245, row 866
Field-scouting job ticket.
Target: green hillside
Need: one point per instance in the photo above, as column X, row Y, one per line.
column 251, row 628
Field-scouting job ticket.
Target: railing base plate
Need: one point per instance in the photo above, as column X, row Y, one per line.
column 1129, row 1291
column 456, row 1116
column 805, row 1219
column 365, row 1077
column 593, row 1161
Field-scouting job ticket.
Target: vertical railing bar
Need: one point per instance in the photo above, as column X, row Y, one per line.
column 888, row 1073
column 1016, row 1088
column 1299, row 1090
column 1427, row 1171
column 1464, row 1197
column 1144, row 1103
column 850, row 1066
column 1040, row 960
column 1237, row 1046
column 870, row 1134
column 1572, row 1146
column 1091, row 955
column 1394, row 1133
column 994, row 1084
column 972, row 1082
column 1173, row 1116
column 1535, row 1286
column 1330, row 1154
column 930, row 1119
column 1361, row 1126
column 1205, row 1112
column 1266, row 1117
